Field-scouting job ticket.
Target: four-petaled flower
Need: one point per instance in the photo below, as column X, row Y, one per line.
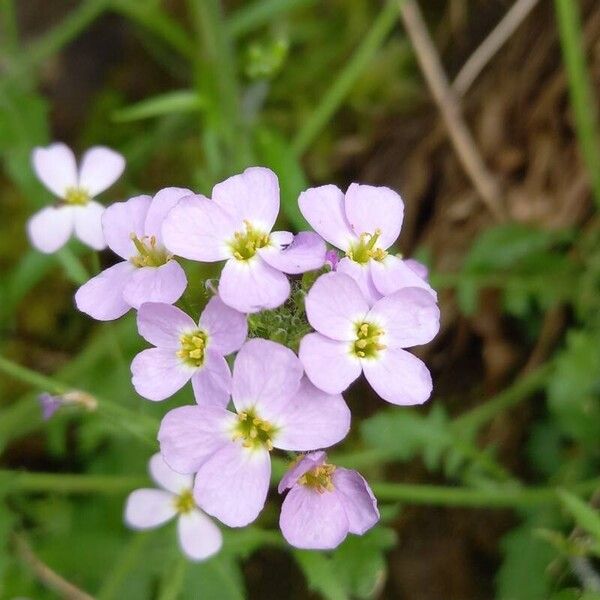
column 147, row 508
column 187, row 350
column 324, row 503
column 51, row 227
column 230, row 452
column 235, row 225
column 148, row 272
column 351, row 337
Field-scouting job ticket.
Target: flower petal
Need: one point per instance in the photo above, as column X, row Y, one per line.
column 305, row 253
column 323, row 208
column 392, row 274
column 357, row 498
column 313, row 520
column 157, row 373
column 199, row 229
column 252, row 195
column 148, row 508
column 328, row 363
column 199, row 537
column 361, row 273
column 122, row 219
column 88, row 224
column 312, row 419
column 162, row 324
column 398, row 377
column 166, row 478
column 266, row 375
column 418, row 267
column 335, row 305
column 409, row 317
column 189, row 435
column 251, row 286
column 50, row 228
column 56, row 168
column 307, row 463
column 100, row 168
column 232, row 484
column 161, row 204
column 156, row 284
column 102, row 296
column 369, row 208
column 227, row 328
column 212, row 382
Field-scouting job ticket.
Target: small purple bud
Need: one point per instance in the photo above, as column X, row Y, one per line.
column 332, row 259
column 49, row 404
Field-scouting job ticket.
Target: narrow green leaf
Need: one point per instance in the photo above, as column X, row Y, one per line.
column 178, row 101
column 585, row 516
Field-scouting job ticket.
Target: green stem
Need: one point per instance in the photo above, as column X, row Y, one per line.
column 33, row 378
column 174, row 580
column 72, row 266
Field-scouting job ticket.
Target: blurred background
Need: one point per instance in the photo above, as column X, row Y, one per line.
column 482, row 115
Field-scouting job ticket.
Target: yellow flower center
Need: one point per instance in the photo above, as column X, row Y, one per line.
column 365, row 250
column 254, row 432
column 246, row 243
column 150, row 254
column 319, row 479
column 184, row 503
column 77, row 196
column 367, row 344
column 192, row 348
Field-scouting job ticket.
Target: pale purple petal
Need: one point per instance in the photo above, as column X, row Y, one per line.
column 398, row 377
column 305, row 253
column 313, row 520
column 252, row 195
column 392, row 274
column 311, row 419
column 102, row 296
column 281, row 239
column 408, row 317
column 56, row 168
column 418, row 267
column 323, row 208
column 49, row 404
column 335, row 305
column 212, row 382
column 199, row 229
column 122, row 219
column 332, row 258
column 188, row 435
column 357, row 498
column 308, row 462
column 161, row 204
column 156, row 284
column 232, row 484
column 163, row 324
column 266, row 375
column 361, row 273
column 369, row 208
column 157, row 373
column 252, row 285
column 328, row 363
column 199, row 537
column 88, row 224
column 100, row 168
column 50, row 228
column 227, row 328
column 168, row 479
column 148, row 508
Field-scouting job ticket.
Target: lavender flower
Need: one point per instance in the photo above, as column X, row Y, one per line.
column 49, row 404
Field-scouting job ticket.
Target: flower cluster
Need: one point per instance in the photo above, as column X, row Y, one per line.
column 358, row 313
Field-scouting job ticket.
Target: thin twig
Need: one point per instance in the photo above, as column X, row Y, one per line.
column 492, row 43
column 45, row 574
column 449, row 107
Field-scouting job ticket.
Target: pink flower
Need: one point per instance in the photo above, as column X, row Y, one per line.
column 148, row 272
column 50, row 228
column 186, row 350
column 324, row 504
column 351, row 337
column 148, row 508
column 364, row 223
column 230, row 451
column 417, row 267
column 235, row 226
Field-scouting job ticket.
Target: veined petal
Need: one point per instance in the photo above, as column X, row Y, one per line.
column 157, row 373
column 161, row 204
column 148, row 508
column 122, row 219
column 227, row 328
column 100, row 168
column 88, row 224
column 166, row 478
column 156, row 284
column 102, row 296
column 199, row 537
column 335, row 305
column 361, row 273
column 305, row 253
column 163, row 324
column 232, row 484
column 392, row 274
column 323, row 208
column 56, row 168
column 50, row 228
column 252, row 285
column 398, row 377
column 357, row 498
column 328, row 363
column 308, row 462
column 212, row 382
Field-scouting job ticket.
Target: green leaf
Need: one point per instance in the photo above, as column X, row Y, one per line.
column 220, row 577
column 320, row 574
column 586, row 517
column 179, row 101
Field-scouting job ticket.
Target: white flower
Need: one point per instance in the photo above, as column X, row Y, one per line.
column 50, row 228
